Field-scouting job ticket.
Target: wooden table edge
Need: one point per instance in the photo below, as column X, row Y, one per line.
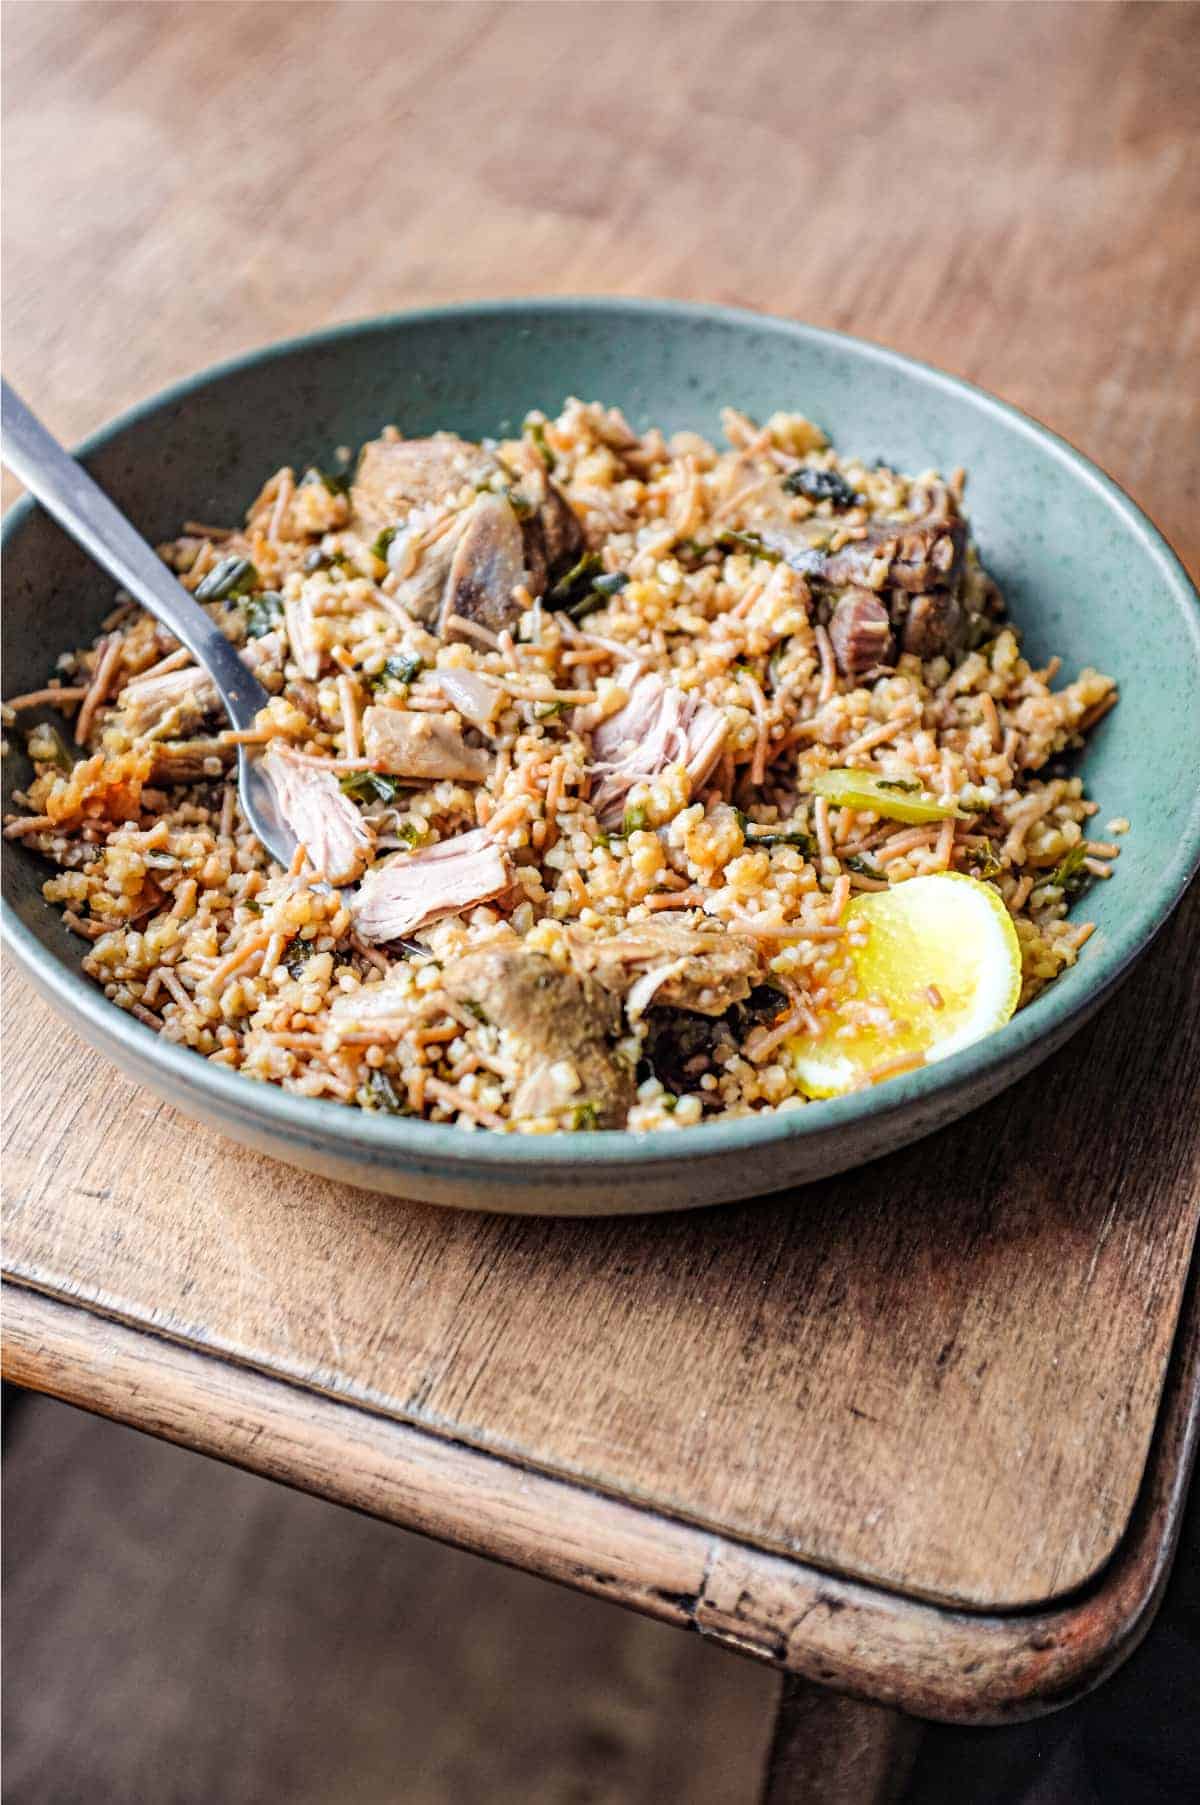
column 923, row 1658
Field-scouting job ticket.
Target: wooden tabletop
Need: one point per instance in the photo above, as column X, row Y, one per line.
column 939, row 1379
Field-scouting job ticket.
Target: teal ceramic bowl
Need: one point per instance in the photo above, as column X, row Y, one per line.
column 1085, row 575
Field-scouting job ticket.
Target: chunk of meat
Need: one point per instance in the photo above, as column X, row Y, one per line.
column 659, row 725
column 469, row 568
column 553, row 537
column 325, row 822
column 564, row 1025
column 396, row 475
column 860, row 631
column 422, row 745
column 414, row 888
column 488, row 564
column 424, row 561
column 700, row 969
column 146, row 702
column 915, row 566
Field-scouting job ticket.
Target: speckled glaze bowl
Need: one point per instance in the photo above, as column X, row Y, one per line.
column 1085, row 574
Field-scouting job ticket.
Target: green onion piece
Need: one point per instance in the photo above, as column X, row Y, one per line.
column 379, row 545
column 578, row 582
column 232, row 576
column 263, row 613
column 731, row 541
column 1071, row 875
column 380, row 1093
column 369, row 786
column 585, row 1117
column 337, row 483
column 536, row 430
column 867, row 790
column 634, row 820
column 401, row 667
column 296, row 955
column 821, row 485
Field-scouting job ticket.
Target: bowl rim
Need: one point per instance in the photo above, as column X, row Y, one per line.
column 418, row 1145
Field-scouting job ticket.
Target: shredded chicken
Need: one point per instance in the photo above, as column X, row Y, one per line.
column 325, row 822
column 660, row 725
column 427, row 746
column 414, row 888
column 146, row 702
column 396, row 475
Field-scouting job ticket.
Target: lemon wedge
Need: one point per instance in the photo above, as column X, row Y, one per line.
column 934, row 965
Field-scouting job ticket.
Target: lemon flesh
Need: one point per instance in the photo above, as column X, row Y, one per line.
column 934, row 965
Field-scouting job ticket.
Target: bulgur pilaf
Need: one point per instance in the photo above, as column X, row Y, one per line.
column 589, row 739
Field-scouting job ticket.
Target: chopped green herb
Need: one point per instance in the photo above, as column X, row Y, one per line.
column 381, row 542
column 547, row 711
column 336, row 483
column 984, row 862
column 296, row 955
column 820, row 485
column 578, row 582
column 634, row 820
column 231, row 577
column 901, row 785
column 536, row 429
column 475, row 1009
column 1071, row 875
column 410, row 833
column 853, row 862
column 401, row 667
column 602, row 838
column 252, row 903
column 264, row 613
column 782, row 836
column 380, row 1093
column 731, row 541
column 585, row 1116
column 369, row 786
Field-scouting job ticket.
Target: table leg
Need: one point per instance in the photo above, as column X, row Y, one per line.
column 829, row 1750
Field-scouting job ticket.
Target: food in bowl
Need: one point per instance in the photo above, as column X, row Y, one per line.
column 637, row 782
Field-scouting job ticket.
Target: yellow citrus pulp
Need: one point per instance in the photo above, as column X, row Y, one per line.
column 934, row 965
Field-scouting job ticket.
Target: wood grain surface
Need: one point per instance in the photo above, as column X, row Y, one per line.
column 940, row 1374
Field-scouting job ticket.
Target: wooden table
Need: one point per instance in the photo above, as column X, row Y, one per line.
column 920, row 1433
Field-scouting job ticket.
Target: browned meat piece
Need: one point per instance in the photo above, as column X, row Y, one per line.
column 396, row 475
column 329, row 827
column 922, row 558
column 660, row 725
column 933, row 624
column 414, row 888
column 422, row 745
column 860, row 631
column 553, row 536
column 145, row 702
column 422, row 589
column 564, row 1024
column 488, row 564
column 701, row 969
column 921, row 555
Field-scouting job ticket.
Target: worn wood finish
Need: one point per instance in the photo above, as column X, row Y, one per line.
column 940, row 1374
column 973, row 1333
column 961, row 1666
